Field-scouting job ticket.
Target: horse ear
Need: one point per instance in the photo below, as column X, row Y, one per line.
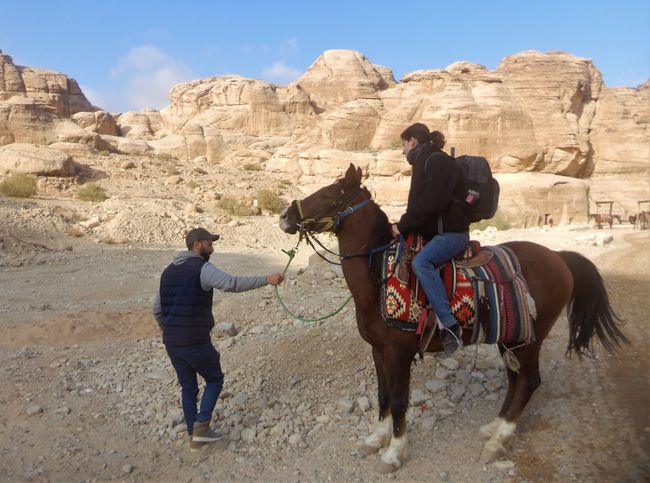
column 359, row 175
column 350, row 176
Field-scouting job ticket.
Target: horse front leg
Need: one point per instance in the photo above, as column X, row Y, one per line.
column 381, row 435
column 398, row 376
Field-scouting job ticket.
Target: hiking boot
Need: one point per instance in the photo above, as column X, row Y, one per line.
column 452, row 338
column 203, row 433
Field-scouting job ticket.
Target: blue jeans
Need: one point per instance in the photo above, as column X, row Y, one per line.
column 433, row 255
column 203, row 359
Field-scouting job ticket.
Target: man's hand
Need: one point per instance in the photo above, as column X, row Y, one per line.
column 274, row 279
column 394, row 231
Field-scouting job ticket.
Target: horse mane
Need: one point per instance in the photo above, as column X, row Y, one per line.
column 379, row 236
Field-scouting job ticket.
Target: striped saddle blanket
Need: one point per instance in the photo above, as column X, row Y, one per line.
column 490, row 299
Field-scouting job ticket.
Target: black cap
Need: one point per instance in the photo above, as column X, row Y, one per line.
column 198, row 234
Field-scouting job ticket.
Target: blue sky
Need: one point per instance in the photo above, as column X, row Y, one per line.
column 127, row 54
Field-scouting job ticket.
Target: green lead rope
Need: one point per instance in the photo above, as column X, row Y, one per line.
column 291, row 254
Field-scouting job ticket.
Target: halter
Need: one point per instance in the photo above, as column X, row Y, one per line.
column 330, row 222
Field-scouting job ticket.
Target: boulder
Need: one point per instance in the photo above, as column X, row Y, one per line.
column 100, row 122
column 29, row 159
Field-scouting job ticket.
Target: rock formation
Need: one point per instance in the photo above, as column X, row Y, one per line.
column 546, row 114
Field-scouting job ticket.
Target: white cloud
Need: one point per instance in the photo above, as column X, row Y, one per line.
column 281, row 72
column 148, row 75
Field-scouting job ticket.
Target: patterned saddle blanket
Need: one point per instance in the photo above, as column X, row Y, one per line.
column 487, row 293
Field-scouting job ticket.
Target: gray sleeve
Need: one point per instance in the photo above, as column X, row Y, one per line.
column 157, row 309
column 212, row 277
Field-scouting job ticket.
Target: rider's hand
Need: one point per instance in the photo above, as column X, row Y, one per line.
column 274, row 279
column 394, row 231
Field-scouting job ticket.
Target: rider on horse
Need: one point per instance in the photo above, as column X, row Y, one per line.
column 433, row 212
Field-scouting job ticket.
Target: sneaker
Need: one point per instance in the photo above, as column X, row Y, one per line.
column 452, row 338
column 203, row 433
column 195, row 446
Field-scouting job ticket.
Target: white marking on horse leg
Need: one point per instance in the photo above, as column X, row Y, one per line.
column 395, row 455
column 380, row 437
column 487, row 430
column 497, row 445
column 505, row 434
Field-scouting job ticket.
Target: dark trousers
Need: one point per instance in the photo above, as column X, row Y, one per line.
column 203, row 359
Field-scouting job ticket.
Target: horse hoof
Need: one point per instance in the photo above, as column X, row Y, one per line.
column 492, row 451
column 367, row 450
column 386, row 468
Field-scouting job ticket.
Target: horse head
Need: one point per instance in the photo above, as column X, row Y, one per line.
column 323, row 210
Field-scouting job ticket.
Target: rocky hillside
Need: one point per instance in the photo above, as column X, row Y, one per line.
column 556, row 136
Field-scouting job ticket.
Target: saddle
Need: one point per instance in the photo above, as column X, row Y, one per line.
column 486, row 290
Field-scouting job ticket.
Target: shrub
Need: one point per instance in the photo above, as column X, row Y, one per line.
column 91, row 192
column 19, row 186
column 284, row 183
column 252, row 167
column 192, row 184
column 270, row 201
column 234, row 207
column 200, row 171
column 498, row 221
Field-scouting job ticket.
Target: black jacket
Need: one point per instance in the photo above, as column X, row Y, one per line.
column 436, row 192
column 186, row 307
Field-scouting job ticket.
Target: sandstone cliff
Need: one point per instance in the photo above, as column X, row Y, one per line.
column 537, row 113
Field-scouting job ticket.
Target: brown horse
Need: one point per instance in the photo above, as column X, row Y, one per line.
column 555, row 279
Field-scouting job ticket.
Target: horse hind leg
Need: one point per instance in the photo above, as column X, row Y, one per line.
column 527, row 381
column 488, row 430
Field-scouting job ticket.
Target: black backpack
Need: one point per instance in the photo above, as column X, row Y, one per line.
column 481, row 189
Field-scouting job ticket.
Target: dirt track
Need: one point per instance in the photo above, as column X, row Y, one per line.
column 71, row 339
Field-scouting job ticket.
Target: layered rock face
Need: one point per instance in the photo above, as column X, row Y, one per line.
column 543, row 120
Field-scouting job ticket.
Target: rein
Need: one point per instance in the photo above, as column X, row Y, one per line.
column 292, row 253
column 309, row 236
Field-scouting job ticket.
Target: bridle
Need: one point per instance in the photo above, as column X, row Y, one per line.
column 331, row 222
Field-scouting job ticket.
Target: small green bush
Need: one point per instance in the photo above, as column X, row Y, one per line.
column 498, row 221
column 19, row 186
column 284, row 183
column 192, row 184
column 270, row 201
column 234, row 207
column 252, row 167
column 91, row 192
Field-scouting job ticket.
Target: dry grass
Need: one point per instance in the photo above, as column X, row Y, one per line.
column 234, row 207
column 19, row 186
column 91, row 192
column 270, row 201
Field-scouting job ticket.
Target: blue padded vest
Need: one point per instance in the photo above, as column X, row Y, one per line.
column 186, row 307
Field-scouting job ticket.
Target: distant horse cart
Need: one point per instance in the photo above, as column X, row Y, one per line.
column 557, row 281
column 600, row 218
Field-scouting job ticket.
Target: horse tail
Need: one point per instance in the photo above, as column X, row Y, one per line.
column 589, row 310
